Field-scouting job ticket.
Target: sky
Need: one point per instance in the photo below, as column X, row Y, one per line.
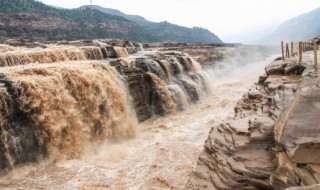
column 232, row 20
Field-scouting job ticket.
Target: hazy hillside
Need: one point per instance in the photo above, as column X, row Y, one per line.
column 135, row 18
column 165, row 31
column 303, row 27
column 35, row 20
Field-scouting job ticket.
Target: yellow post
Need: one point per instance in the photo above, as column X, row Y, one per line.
column 282, row 50
column 300, row 52
column 291, row 48
column 315, row 56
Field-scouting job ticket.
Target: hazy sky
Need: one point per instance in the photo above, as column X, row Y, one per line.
column 231, row 20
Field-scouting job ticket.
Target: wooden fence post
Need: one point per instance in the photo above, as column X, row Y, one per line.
column 287, row 50
column 286, row 54
column 291, row 48
column 315, row 48
column 300, row 52
column 282, row 50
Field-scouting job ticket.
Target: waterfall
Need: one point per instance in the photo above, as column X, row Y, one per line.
column 58, row 54
column 162, row 102
column 92, row 52
column 18, row 57
column 196, row 67
column 179, row 96
column 121, row 52
column 57, row 110
column 4, row 48
column 56, row 102
column 166, row 67
column 176, row 66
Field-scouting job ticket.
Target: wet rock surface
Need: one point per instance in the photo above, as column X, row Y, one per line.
column 272, row 142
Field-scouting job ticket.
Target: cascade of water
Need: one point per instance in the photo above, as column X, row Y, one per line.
column 162, row 102
column 156, row 69
column 191, row 85
column 186, row 63
column 138, row 46
column 179, row 96
column 40, row 56
column 59, row 109
column 167, row 69
column 92, row 52
column 196, row 67
column 121, row 52
column 5, row 48
column 176, row 66
column 206, row 81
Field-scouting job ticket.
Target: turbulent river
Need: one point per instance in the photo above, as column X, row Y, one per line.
column 161, row 156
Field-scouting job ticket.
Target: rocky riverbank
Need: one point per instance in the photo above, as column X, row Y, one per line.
column 273, row 140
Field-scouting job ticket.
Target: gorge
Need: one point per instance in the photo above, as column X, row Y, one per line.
column 94, row 98
column 113, row 114
column 77, row 104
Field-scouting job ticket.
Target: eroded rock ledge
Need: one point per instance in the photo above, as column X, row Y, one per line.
column 273, row 140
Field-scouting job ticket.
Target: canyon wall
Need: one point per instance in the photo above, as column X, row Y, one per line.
column 272, row 142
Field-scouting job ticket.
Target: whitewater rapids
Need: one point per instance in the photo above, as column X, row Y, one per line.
column 163, row 154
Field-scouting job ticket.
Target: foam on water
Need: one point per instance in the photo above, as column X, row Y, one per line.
column 163, row 154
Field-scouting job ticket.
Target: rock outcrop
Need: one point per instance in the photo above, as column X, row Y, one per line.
column 273, row 140
column 297, row 136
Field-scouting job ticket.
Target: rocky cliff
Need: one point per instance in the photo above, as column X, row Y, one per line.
column 272, row 142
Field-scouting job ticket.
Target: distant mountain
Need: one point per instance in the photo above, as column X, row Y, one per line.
column 303, row 27
column 35, row 20
column 135, row 18
column 165, row 31
column 31, row 19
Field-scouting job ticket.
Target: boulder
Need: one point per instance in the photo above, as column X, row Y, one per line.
column 276, row 68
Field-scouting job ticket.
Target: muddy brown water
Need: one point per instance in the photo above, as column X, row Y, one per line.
column 161, row 156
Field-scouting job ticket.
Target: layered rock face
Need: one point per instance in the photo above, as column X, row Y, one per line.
column 272, row 142
column 58, row 99
column 297, row 135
